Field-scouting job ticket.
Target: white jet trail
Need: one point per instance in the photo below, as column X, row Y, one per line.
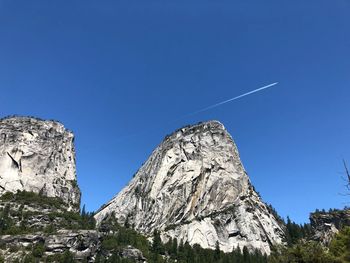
column 205, row 109
column 235, row 98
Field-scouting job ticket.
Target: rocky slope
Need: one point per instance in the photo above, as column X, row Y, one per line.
column 326, row 224
column 38, row 156
column 194, row 188
column 29, row 220
column 83, row 245
column 35, row 228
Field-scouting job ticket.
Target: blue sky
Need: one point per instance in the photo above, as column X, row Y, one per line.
column 111, row 69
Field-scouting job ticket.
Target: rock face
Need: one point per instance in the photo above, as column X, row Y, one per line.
column 132, row 253
column 35, row 225
column 82, row 243
column 38, row 156
column 194, row 188
column 326, row 224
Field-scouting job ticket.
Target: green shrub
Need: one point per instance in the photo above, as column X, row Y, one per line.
column 67, row 257
column 110, row 243
column 13, row 248
column 61, row 218
column 340, row 245
column 29, row 259
column 24, row 197
column 38, row 250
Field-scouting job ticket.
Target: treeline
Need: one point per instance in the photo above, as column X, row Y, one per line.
column 306, row 251
column 296, row 232
column 184, row 253
column 117, row 238
column 299, row 248
column 297, row 251
column 15, row 220
column 173, row 251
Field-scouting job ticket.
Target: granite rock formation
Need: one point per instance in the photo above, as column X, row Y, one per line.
column 38, row 156
column 194, row 188
column 326, row 225
column 82, row 243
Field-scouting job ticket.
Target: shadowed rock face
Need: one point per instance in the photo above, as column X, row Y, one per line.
column 38, row 156
column 194, row 188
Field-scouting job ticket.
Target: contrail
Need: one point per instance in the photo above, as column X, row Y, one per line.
column 232, row 99
column 206, row 108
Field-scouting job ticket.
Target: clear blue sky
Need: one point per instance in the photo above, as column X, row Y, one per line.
column 108, row 69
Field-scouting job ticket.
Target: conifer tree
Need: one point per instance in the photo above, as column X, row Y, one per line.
column 83, row 211
column 157, row 246
column 173, row 251
column 217, row 250
column 246, row 256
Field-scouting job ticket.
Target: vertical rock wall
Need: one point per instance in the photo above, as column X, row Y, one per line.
column 38, row 156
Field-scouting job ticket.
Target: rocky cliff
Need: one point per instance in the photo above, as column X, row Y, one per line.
column 194, row 188
column 326, row 224
column 38, row 156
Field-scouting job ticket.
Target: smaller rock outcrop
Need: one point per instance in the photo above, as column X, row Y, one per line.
column 326, row 224
column 82, row 243
column 133, row 254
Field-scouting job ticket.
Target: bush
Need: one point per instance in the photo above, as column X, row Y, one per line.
column 38, row 250
column 60, row 218
column 303, row 252
column 340, row 245
column 66, row 257
column 24, row 197
column 29, row 259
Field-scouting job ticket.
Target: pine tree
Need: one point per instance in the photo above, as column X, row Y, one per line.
column 126, row 223
column 173, row 249
column 157, row 246
column 189, row 255
column 180, row 251
column 217, row 250
column 83, row 211
column 246, row 255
